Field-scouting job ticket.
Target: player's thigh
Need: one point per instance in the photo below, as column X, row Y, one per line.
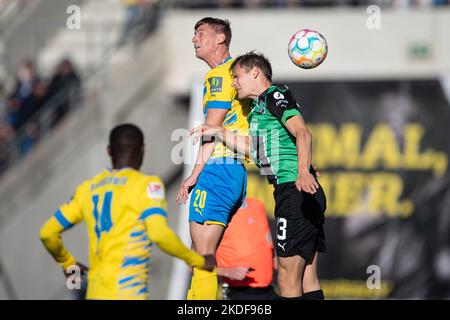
column 292, row 265
column 218, row 194
column 310, row 273
column 296, row 234
column 206, row 237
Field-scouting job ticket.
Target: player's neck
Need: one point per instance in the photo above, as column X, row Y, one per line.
column 260, row 89
column 122, row 164
column 217, row 58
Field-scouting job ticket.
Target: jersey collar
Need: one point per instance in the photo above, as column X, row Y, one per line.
column 225, row 61
column 110, row 169
column 265, row 92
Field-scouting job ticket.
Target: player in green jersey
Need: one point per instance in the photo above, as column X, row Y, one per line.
column 280, row 144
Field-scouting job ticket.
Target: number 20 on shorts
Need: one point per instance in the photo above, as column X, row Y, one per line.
column 200, row 199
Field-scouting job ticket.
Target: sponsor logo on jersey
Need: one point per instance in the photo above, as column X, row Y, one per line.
column 215, row 84
column 282, row 103
column 155, row 190
column 278, row 95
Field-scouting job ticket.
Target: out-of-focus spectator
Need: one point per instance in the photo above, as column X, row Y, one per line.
column 254, row 3
column 64, row 90
column 34, row 106
column 150, row 16
column 3, row 110
column 227, row 3
column 6, row 138
column 33, row 103
column 141, row 19
column 30, row 137
column 13, row 111
column 26, row 78
column 132, row 15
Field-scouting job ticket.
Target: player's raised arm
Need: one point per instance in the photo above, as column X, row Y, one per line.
column 214, row 117
column 236, row 142
column 67, row 216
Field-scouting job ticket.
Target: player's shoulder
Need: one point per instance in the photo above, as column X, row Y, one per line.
column 153, row 178
column 279, row 92
column 140, row 177
column 152, row 184
column 222, row 70
column 86, row 184
column 280, row 96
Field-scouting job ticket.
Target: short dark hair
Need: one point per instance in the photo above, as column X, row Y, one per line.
column 253, row 59
column 125, row 140
column 219, row 25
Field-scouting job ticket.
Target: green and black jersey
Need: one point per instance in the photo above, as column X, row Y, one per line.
column 273, row 148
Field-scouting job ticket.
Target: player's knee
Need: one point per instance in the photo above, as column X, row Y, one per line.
column 200, row 246
column 204, row 249
column 310, row 282
column 288, row 275
column 289, row 282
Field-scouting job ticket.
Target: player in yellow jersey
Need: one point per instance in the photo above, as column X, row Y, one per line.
column 219, row 178
column 125, row 214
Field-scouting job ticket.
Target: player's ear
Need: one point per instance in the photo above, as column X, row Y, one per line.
column 109, row 151
column 221, row 38
column 255, row 72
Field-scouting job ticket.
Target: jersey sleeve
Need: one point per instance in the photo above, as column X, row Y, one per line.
column 71, row 213
column 65, row 217
column 168, row 241
column 151, row 198
column 282, row 105
column 219, row 92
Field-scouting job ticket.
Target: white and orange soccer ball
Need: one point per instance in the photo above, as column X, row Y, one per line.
column 307, row 48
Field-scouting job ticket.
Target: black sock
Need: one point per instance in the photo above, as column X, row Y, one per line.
column 313, row 295
column 290, row 298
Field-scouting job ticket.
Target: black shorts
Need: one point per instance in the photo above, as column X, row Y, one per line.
column 300, row 218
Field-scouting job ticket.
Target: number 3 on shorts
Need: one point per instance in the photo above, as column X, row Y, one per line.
column 282, row 224
column 200, row 199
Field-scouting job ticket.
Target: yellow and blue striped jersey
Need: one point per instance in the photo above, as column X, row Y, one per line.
column 219, row 94
column 114, row 205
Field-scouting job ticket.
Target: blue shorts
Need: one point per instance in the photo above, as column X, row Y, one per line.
column 219, row 192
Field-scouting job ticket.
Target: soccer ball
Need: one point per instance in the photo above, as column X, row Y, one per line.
column 307, row 49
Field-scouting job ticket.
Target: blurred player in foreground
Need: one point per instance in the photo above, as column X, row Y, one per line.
column 245, row 254
column 281, row 147
column 125, row 213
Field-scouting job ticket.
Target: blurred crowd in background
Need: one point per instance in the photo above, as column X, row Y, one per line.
column 34, row 104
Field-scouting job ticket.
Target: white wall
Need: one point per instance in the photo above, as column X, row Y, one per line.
column 354, row 50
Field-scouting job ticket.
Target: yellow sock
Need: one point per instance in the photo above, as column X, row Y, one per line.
column 203, row 285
